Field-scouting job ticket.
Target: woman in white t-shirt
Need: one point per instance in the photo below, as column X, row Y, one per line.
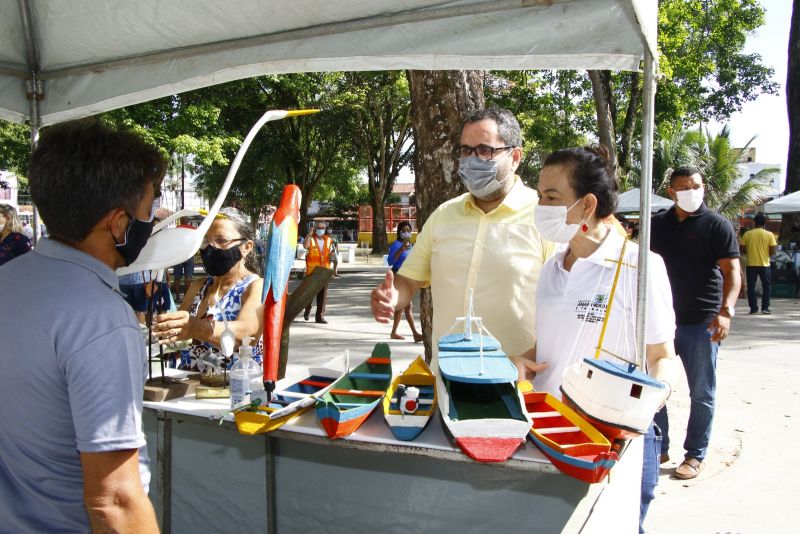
column 578, row 195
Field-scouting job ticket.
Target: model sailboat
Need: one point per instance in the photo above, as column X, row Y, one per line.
column 480, row 405
column 617, row 398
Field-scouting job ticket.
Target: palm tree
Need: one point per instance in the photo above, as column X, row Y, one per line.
column 672, row 149
column 719, row 162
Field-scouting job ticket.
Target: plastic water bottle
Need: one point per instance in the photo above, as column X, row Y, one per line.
column 247, row 382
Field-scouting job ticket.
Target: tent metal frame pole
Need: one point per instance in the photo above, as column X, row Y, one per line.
column 645, row 191
column 34, row 88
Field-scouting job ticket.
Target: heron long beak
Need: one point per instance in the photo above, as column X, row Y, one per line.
column 298, row 112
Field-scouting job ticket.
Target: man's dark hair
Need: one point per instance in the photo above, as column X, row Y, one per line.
column 81, row 170
column 760, row 219
column 589, row 171
column 507, row 125
column 686, row 170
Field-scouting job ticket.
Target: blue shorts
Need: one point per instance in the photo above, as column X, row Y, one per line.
column 184, row 270
column 137, row 298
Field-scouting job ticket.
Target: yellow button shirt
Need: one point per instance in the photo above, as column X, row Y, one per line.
column 757, row 241
column 498, row 254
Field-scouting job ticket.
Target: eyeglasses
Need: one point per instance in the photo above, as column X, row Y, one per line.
column 219, row 242
column 483, row 152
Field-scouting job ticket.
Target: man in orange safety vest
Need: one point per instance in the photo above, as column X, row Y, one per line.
column 318, row 244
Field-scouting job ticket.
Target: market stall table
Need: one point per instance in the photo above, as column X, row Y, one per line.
column 210, row 478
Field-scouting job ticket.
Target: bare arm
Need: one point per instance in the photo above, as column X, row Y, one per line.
column 772, row 249
column 179, row 325
column 394, row 293
column 113, row 494
column 662, row 364
column 731, row 283
column 526, row 364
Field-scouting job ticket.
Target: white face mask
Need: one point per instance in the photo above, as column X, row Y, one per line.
column 690, row 200
column 551, row 221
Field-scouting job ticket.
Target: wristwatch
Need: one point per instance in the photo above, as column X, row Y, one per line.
column 729, row 310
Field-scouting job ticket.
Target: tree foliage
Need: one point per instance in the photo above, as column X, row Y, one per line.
column 380, row 105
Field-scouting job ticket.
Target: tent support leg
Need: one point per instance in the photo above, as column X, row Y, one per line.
column 645, row 190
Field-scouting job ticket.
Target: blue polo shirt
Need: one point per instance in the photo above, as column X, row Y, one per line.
column 72, row 370
column 691, row 250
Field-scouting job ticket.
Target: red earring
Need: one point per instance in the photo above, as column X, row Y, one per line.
column 584, row 228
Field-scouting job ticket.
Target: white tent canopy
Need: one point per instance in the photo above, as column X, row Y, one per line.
column 786, row 204
column 62, row 60
column 96, row 55
column 628, row 202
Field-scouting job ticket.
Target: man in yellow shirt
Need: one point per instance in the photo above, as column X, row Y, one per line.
column 484, row 240
column 759, row 245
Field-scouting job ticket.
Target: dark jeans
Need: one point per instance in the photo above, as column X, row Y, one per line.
column 699, row 357
column 321, row 298
column 766, row 283
column 652, row 450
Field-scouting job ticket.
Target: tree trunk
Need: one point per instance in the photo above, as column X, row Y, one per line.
column 629, row 126
column 601, row 90
column 790, row 227
column 439, row 102
column 380, row 243
column 305, row 202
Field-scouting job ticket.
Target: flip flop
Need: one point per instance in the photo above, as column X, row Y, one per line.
column 689, row 469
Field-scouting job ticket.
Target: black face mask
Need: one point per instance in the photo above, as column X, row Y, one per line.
column 217, row 261
column 136, row 237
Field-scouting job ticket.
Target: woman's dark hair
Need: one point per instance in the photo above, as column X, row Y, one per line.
column 246, row 230
column 589, row 171
column 81, row 170
column 403, row 224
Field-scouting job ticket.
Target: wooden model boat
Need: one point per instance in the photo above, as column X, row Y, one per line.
column 574, row 446
column 287, row 404
column 410, row 400
column 344, row 407
column 617, row 399
column 481, row 408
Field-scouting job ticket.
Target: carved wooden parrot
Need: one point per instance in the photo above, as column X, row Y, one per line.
column 281, row 244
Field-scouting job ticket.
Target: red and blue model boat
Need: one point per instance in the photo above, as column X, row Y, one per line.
column 352, row 398
column 574, row 446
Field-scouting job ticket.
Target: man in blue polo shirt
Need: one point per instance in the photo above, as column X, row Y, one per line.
column 72, row 358
column 701, row 253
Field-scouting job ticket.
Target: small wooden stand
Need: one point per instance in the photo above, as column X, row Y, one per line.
column 167, row 388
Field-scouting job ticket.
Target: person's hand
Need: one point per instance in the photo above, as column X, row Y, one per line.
column 407, row 245
column 173, row 326
column 384, row 299
column 719, row 328
column 526, row 368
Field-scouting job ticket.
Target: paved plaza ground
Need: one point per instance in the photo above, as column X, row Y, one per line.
column 749, row 483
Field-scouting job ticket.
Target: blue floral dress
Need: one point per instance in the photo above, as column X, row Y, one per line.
column 204, row 356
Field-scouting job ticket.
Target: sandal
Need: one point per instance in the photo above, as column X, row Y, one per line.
column 689, row 469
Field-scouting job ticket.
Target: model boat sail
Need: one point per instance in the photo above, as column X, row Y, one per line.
column 574, row 446
column 410, row 401
column 617, row 398
column 287, row 404
column 480, row 405
column 352, row 398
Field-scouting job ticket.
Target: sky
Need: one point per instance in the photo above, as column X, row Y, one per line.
column 766, row 116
